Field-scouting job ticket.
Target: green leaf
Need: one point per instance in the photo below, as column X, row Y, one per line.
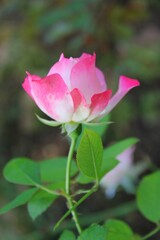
column 118, row 230
column 48, row 122
column 96, row 127
column 89, row 154
column 19, row 200
column 54, row 170
column 108, row 165
column 40, row 202
column 94, row 232
column 83, row 179
column 117, row 148
column 148, row 197
column 22, row 171
column 67, row 235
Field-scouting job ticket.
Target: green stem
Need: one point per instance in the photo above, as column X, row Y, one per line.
column 92, row 190
column 68, row 171
column 154, row 231
column 118, row 211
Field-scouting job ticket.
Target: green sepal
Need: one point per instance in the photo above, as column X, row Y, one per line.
column 96, row 124
column 48, row 122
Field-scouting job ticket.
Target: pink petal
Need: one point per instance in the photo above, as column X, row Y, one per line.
column 117, row 176
column 99, row 103
column 63, row 67
column 81, row 109
column 77, row 98
column 84, row 77
column 101, row 78
column 81, row 113
column 126, row 157
column 26, row 84
column 125, row 85
column 86, row 55
column 52, row 96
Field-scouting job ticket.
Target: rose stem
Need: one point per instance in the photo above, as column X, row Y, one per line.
column 68, row 170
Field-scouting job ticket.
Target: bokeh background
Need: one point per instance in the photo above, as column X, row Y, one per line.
column 125, row 35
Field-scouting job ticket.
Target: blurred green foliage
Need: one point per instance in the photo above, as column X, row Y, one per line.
column 125, row 36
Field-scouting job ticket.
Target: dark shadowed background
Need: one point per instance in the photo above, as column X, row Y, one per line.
column 125, row 35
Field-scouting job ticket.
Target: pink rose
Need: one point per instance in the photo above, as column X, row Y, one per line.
column 121, row 174
column 75, row 90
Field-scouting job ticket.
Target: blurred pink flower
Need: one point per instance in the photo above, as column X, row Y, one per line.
column 120, row 175
column 75, row 90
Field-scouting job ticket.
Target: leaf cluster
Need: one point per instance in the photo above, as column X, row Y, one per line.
column 46, row 181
